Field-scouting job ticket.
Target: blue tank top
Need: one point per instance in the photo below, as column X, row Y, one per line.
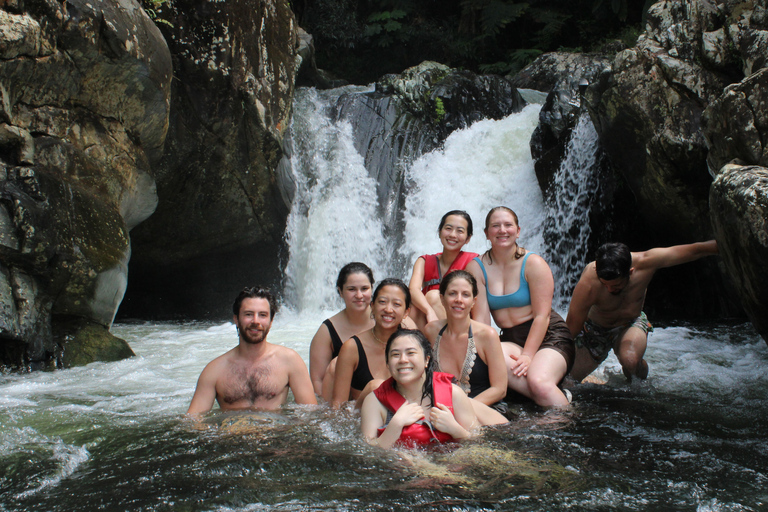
column 522, row 297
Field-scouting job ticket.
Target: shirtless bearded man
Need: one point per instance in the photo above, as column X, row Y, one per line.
column 255, row 374
column 606, row 310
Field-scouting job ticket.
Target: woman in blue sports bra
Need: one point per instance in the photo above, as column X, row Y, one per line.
column 516, row 288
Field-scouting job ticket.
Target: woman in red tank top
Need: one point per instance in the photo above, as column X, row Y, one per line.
column 455, row 231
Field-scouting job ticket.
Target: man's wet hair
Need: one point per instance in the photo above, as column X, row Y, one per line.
column 256, row 292
column 613, row 261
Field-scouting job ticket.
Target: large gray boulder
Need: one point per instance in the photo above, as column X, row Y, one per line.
column 739, row 201
column 736, row 124
column 648, row 113
column 220, row 219
column 84, row 99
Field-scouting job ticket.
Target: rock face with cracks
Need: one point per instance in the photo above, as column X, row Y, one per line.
column 84, row 101
column 220, row 220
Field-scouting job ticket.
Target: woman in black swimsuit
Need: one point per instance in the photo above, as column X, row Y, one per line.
column 468, row 349
column 362, row 358
column 354, row 285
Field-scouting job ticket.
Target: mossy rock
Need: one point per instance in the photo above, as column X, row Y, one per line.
column 83, row 342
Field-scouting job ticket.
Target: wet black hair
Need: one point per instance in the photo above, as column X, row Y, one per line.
column 353, row 268
column 520, row 251
column 255, row 292
column 614, row 260
column 460, row 213
column 458, row 274
column 393, row 281
column 426, row 346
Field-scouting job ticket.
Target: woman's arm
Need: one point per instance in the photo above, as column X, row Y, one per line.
column 480, row 312
column 459, row 424
column 346, row 364
column 373, row 415
column 418, row 298
column 320, row 352
column 542, row 287
column 489, row 350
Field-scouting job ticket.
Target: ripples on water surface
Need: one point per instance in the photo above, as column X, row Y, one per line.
column 114, row 437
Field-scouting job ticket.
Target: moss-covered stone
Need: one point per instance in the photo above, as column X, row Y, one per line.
column 82, row 342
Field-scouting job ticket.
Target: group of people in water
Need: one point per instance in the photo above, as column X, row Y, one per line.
column 422, row 361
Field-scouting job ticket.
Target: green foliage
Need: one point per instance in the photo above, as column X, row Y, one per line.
column 154, row 8
column 384, row 28
column 439, row 110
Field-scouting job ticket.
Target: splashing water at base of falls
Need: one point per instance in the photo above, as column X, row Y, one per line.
column 114, row 436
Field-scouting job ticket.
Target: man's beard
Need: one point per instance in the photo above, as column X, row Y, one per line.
column 256, row 338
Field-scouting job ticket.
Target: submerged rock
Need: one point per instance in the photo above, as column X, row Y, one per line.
column 83, row 342
column 84, row 96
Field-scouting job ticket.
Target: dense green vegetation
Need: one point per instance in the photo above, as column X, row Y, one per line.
column 360, row 40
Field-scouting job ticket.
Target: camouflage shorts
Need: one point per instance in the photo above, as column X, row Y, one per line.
column 600, row 340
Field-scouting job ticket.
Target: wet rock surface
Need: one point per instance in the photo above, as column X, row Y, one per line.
column 85, row 91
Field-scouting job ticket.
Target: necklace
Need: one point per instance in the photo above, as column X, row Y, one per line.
column 373, row 331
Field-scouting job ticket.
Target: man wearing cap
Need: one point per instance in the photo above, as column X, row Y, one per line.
column 606, row 310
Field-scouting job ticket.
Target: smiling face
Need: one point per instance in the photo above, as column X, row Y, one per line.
column 254, row 320
column 458, row 298
column 356, row 292
column 389, row 307
column 406, row 360
column 454, row 232
column 502, row 229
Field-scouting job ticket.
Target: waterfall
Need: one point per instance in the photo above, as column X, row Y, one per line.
column 334, row 216
column 570, row 200
column 485, row 165
column 338, row 214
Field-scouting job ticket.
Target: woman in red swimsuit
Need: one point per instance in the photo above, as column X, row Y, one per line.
column 416, row 406
column 455, row 231
column 354, row 285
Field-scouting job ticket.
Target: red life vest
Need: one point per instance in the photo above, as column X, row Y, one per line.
column 420, row 433
column 432, row 275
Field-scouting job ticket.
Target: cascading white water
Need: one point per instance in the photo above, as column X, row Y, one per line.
column 571, row 197
column 335, row 217
column 486, row 165
column 115, row 435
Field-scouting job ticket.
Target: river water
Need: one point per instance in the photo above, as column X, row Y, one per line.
column 113, row 436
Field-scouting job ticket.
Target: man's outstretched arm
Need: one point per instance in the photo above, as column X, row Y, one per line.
column 662, row 257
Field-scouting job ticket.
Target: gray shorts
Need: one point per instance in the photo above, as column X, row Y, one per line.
column 600, row 340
